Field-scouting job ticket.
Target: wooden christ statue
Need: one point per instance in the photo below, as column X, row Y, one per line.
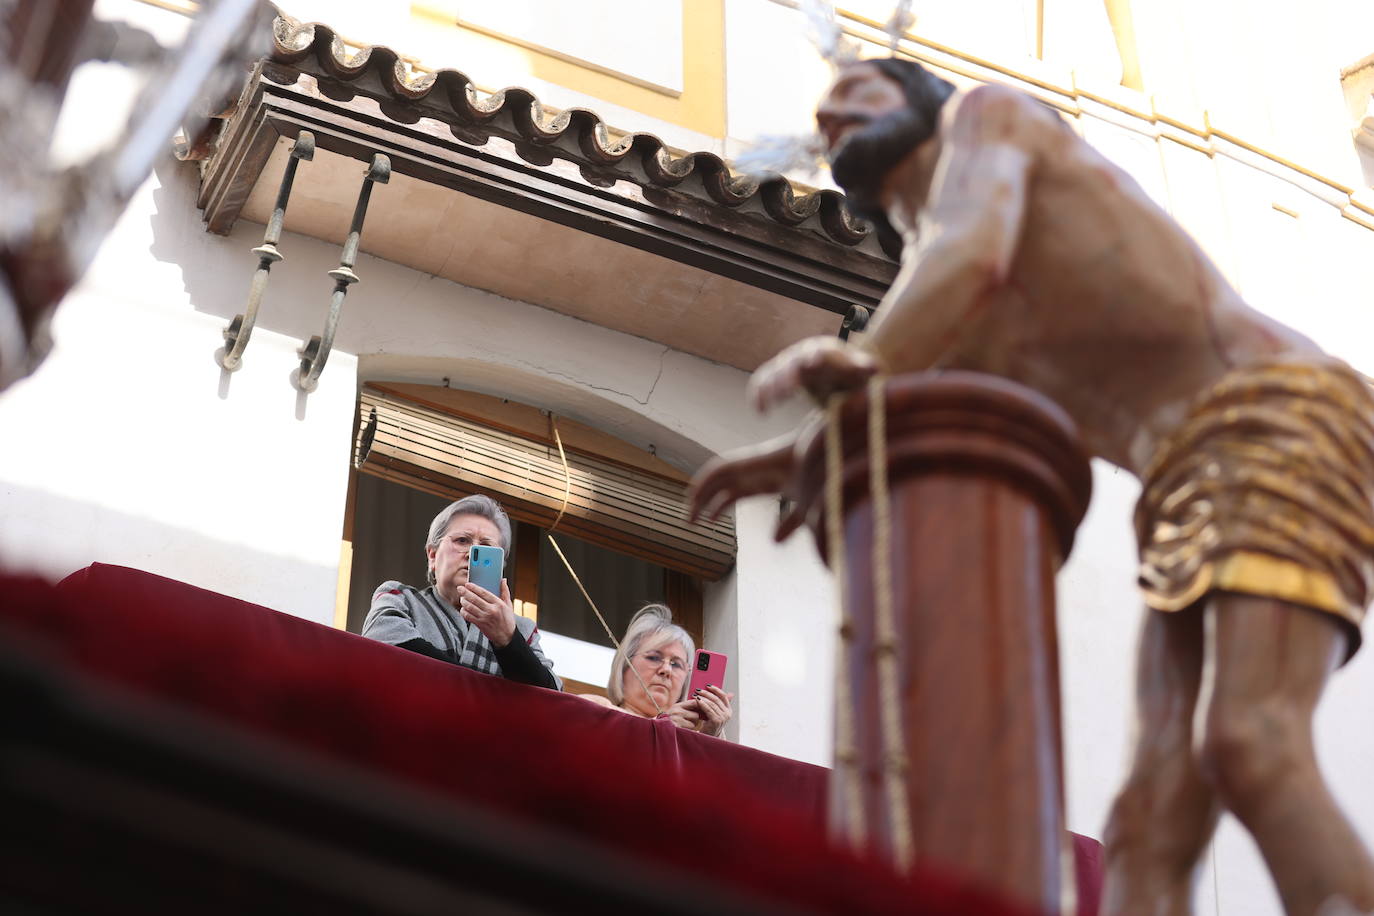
column 1027, row 255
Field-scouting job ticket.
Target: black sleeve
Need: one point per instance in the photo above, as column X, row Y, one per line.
column 519, row 663
column 425, row 647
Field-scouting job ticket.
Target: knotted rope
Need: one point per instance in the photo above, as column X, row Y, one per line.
column 894, row 766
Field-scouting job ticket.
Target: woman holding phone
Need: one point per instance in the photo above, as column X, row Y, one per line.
column 456, row 619
column 652, row 671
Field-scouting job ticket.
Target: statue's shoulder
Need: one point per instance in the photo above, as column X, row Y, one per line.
column 1006, row 110
column 995, row 93
column 994, row 97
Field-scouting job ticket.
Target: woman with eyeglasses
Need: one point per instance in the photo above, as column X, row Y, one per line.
column 649, row 676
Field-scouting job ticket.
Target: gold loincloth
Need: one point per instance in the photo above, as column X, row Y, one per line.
column 1266, row 489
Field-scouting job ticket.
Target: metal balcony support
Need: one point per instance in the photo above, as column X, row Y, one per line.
column 855, row 320
column 241, row 328
column 316, row 352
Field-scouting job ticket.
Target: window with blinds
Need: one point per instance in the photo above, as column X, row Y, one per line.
column 411, row 440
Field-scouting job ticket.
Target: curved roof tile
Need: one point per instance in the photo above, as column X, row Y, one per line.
column 295, row 41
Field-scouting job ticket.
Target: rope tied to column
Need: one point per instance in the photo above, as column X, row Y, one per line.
column 846, row 745
column 894, row 797
column 889, row 696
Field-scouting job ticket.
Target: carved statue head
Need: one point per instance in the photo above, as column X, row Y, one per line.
column 875, row 114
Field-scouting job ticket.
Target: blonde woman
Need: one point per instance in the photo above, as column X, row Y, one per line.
column 649, row 676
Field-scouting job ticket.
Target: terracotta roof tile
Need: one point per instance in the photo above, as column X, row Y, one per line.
column 649, row 159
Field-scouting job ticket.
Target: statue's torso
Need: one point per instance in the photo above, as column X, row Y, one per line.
column 1110, row 308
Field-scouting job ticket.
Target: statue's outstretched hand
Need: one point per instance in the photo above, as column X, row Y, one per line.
column 753, row 471
column 821, row 366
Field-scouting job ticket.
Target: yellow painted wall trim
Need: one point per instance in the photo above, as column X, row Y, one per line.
column 1020, row 75
column 1172, row 122
column 1072, row 96
column 570, row 59
column 526, row 609
column 184, row 7
column 1365, row 218
column 699, row 107
column 1280, row 160
column 341, row 590
column 1206, row 150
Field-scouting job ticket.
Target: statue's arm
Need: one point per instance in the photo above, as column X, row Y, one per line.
column 753, row 471
column 974, row 213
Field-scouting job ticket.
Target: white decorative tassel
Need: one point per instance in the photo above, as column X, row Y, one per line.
column 901, row 21
column 825, row 33
column 778, row 153
column 805, row 155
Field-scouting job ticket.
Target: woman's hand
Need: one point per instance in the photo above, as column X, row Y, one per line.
column 707, row 712
column 683, row 715
column 713, row 708
column 494, row 616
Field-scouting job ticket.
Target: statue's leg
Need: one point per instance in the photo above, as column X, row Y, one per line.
column 1269, row 661
column 1166, row 812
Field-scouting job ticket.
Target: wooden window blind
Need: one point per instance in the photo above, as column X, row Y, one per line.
column 611, row 504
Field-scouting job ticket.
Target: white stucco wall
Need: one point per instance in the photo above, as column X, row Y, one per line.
column 786, row 622
column 137, row 449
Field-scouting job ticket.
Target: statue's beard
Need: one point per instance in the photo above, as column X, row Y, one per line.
column 869, row 153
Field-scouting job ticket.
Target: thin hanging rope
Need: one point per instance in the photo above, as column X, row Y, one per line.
column 567, row 483
column 885, row 644
column 567, row 492
column 846, row 749
column 580, row 587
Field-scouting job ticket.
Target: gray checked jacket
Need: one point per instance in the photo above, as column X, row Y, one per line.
column 422, row 621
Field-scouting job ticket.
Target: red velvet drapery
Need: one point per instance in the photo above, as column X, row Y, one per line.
column 752, row 819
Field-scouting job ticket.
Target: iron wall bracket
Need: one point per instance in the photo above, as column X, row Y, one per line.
column 241, row 328
column 315, row 353
column 855, row 320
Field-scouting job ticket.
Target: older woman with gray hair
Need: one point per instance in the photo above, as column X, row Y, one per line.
column 649, row 676
column 455, row 620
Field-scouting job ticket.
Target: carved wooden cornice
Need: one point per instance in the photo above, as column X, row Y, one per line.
column 567, row 167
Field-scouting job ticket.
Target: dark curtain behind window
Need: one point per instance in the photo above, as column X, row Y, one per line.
column 619, row 585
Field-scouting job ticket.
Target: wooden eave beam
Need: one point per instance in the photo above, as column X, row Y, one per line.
column 544, row 181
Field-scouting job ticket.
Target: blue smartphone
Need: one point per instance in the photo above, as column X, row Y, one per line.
column 485, row 564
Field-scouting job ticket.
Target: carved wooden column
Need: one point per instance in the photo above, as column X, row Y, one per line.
column 987, row 485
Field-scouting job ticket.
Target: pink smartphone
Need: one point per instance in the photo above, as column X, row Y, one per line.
column 707, row 669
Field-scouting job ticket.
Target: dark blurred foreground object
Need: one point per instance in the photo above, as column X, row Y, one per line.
column 53, row 218
column 169, row 749
column 116, row 805
column 955, row 754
